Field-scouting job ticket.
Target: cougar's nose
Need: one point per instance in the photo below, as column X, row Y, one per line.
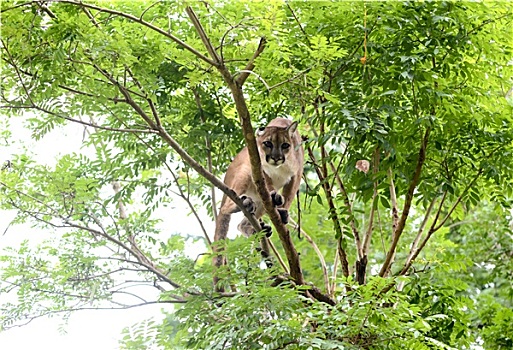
column 275, row 160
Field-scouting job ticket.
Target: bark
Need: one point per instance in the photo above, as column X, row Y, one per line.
column 407, row 205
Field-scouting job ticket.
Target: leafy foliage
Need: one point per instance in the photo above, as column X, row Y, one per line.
column 414, row 253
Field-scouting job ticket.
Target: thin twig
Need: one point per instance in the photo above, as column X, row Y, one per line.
column 416, row 241
column 278, row 255
column 333, row 212
column 370, row 227
column 298, row 23
column 248, row 72
column 393, row 201
column 298, row 75
column 334, row 274
column 91, row 17
column 146, row 96
column 319, row 254
column 458, row 200
column 149, row 7
column 208, row 146
column 251, row 64
column 100, row 127
column 349, row 208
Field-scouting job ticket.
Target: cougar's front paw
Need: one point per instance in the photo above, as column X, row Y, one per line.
column 248, row 203
column 284, row 215
column 277, row 199
column 266, row 228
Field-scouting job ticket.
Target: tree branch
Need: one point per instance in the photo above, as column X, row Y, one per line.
column 414, row 251
column 53, row 312
column 298, row 23
column 95, row 232
column 191, row 206
column 458, row 200
column 139, row 255
column 78, row 92
column 488, row 21
column 347, row 203
column 181, row 152
column 288, row 80
column 145, row 95
column 407, row 205
column 204, row 37
column 393, row 201
column 208, row 146
column 416, row 241
column 93, row 125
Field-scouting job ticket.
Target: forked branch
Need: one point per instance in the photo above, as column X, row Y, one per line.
column 407, row 205
column 434, row 227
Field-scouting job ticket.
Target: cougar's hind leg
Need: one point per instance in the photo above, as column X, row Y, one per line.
column 247, row 229
column 228, row 207
column 267, row 229
column 245, row 226
column 264, row 249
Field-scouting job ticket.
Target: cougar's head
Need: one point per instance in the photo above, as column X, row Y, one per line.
column 274, row 143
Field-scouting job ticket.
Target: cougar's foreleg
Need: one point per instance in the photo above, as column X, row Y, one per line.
column 288, row 193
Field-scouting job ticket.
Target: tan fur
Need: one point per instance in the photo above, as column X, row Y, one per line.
column 283, row 168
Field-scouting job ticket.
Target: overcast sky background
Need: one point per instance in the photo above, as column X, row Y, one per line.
column 90, row 329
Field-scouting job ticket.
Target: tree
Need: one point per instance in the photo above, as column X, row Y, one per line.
column 408, row 133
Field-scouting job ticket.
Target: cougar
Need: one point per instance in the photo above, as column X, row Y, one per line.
column 281, row 154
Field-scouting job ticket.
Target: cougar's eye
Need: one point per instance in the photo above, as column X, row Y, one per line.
column 285, row 146
column 268, row 144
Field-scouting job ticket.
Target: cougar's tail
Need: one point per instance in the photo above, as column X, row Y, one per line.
column 222, row 225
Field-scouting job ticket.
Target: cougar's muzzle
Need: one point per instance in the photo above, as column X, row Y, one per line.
column 275, row 160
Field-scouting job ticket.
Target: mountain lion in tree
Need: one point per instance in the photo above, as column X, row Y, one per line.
column 281, row 154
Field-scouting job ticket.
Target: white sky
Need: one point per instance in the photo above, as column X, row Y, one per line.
column 90, row 329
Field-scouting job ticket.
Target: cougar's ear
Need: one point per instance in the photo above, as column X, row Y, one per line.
column 292, row 128
column 260, row 131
